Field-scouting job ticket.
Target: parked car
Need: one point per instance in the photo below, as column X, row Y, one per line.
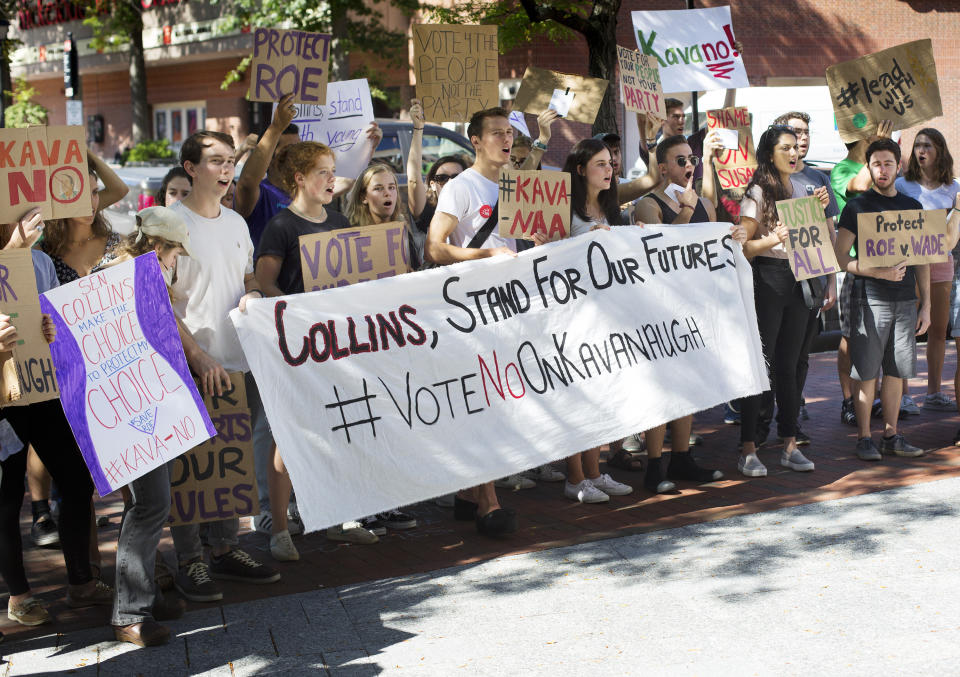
column 144, row 182
column 438, row 141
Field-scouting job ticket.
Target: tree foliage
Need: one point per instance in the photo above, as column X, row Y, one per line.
column 23, row 112
column 355, row 27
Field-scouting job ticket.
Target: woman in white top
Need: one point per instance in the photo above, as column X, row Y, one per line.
column 929, row 179
column 593, row 201
column 782, row 312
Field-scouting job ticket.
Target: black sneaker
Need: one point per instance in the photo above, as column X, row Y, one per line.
column 44, row 532
column 396, row 519
column 653, row 479
column 237, row 565
column 848, row 415
column 374, row 525
column 684, row 467
column 193, row 582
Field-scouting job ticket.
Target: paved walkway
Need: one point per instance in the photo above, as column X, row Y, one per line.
column 337, row 590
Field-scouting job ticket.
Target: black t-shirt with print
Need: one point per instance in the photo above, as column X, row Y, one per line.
column 281, row 238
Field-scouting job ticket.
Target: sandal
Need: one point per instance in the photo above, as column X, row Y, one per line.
column 626, row 460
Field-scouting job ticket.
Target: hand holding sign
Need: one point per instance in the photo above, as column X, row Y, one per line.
column 285, row 112
column 26, row 231
column 561, row 101
column 8, row 334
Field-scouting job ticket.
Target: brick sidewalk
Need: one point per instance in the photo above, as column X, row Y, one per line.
column 548, row 520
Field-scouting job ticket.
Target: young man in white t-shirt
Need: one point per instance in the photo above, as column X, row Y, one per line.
column 464, row 206
column 215, row 280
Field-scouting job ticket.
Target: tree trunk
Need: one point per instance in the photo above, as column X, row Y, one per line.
column 339, row 57
column 138, row 84
column 603, row 63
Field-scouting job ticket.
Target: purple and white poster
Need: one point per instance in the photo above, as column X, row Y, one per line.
column 124, row 382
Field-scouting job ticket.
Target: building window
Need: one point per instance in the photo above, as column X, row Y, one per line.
column 176, row 121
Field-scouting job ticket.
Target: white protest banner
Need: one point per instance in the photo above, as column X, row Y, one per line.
column 289, row 61
column 393, row 391
column 339, row 123
column 44, row 167
column 694, row 48
column 124, row 382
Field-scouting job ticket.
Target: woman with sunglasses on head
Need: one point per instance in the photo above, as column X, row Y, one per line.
column 782, row 309
column 929, row 179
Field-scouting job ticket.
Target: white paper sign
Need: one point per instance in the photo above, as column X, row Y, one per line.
column 124, row 382
column 694, row 48
column 674, row 191
column 561, row 101
column 729, row 138
column 518, row 122
column 74, row 112
column 393, row 391
column 339, row 123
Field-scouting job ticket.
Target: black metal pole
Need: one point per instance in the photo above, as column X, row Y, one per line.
column 695, row 125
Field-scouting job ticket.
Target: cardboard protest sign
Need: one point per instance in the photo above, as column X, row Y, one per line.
column 217, row 480
column 457, row 70
column 393, row 391
column 534, row 201
column 898, row 84
column 810, row 248
column 350, row 255
column 734, row 166
column 289, row 61
column 44, row 167
column 693, row 47
column 339, row 123
column 640, row 88
column 915, row 236
column 124, row 382
column 27, row 374
column 539, row 87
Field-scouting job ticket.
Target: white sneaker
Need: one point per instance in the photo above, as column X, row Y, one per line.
column 751, row 466
column 796, row 461
column 545, row 473
column 282, row 547
column 263, row 523
column 584, row 492
column 610, row 486
column 515, row 482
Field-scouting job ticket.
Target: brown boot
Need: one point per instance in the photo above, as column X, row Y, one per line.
column 147, row 633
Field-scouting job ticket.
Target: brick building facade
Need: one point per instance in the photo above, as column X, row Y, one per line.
column 785, row 42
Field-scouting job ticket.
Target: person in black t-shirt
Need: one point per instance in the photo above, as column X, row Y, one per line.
column 884, row 318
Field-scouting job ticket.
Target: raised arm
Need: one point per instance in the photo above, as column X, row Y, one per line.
column 416, row 190
column 708, row 189
column 114, row 189
column 544, row 120
column 248, row 185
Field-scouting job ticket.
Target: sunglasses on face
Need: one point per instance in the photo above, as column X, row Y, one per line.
column 443, row 178
column 692, row 159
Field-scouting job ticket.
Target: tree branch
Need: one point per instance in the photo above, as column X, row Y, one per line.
column 577, row 23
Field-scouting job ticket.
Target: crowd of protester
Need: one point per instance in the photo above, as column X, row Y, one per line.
column 286, row 190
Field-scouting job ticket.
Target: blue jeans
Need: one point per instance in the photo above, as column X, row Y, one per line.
column 143, row 523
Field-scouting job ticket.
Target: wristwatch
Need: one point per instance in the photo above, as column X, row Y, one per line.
column 539, row 145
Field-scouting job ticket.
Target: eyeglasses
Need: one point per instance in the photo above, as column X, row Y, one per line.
column 801, row 132
column 443, row 178
column 692, row 159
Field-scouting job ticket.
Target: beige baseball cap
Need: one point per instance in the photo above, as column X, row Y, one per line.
column 166, row 223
